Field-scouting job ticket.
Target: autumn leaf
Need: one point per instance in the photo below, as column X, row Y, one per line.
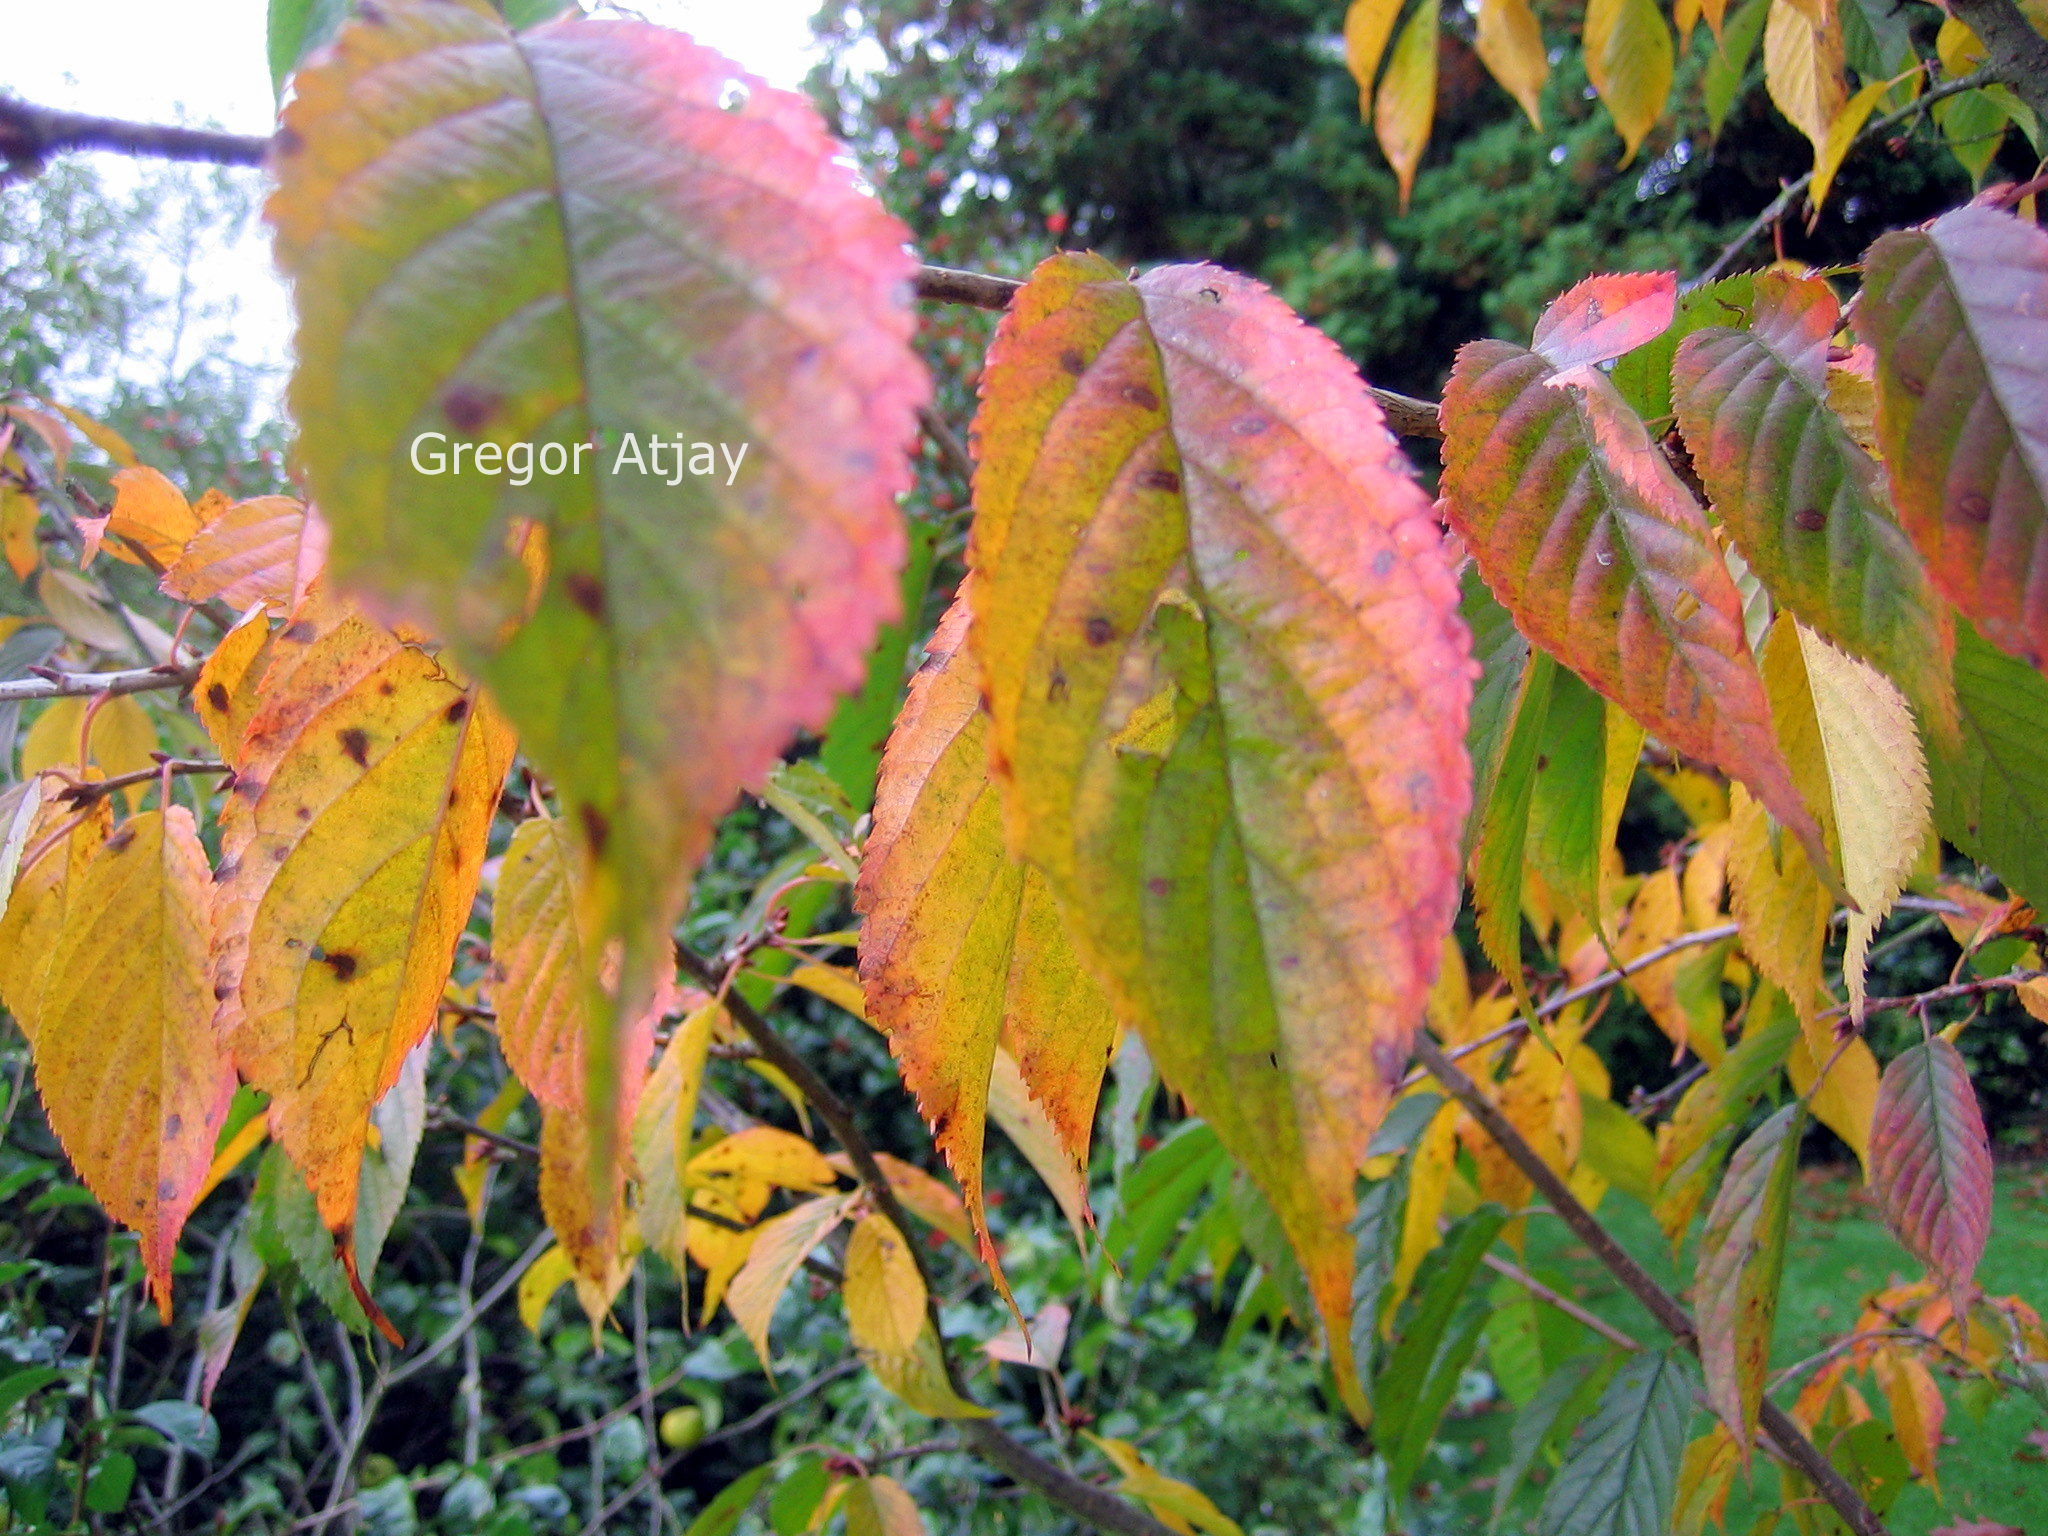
column 1842, row 133
column 351, row 849
column 963, row 948
column 1177, row 1505
column 1930, row 1161
column 267, row 549
column 1991, row 786
column 1405, row 108
column 662, row 1123
column 1630, row 62
column 1804, row 62
column 123, row 741
column 884, row 1291
column 878, row 1505
column 1958, row 314
column 727, row 280
column 55, row 848
column 133, row 1081
column 1918, row 1409
column 1806, row 504
column 152, row 515
column 1368, row 24
column 1742, row 1259
column 1582, row 529
column 586, row 1206
column 1597, row 320
column 779, row 1249
column 1228, row 690
column 1510, row 44
column 230, row 680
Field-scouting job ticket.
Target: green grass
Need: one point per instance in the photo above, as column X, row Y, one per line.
column 1839, row 1253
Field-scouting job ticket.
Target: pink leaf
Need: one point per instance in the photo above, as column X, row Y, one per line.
column 1930, row 1161
column 1603, row 317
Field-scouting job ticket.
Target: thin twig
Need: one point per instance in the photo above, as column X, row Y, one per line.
column 447, row 1338
column 50, row 683
column 89, row 791
column 1564, row 1304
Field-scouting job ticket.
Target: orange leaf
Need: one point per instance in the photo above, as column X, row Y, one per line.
column 268, row 549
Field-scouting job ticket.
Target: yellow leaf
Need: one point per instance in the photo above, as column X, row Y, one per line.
column 149, row 512
column 1780, row 904
column 123, row 739
column 101, row 436
column 1703, row 798
column 590, row 1221
column 254, row 1132
column 1829, row 154
column 661, row 1133
column 1450, row 999
column 1405, row 109
column 56, row 437
column 226, row 694
column 1852, row 395
column 545, row 1276
column 1367, row 26
column 131, row 1076
column 780, row 1247
column 1705, row 882
column 45, row 884
column 885, row 1293
column 1846, row 1099
column 1655, row 917
column 351, row 849
column 1803, row 69
column 716, row 1248
column 1873, row 779
column 472, row 1175
column 880, row 1506
column 1960, row 50
column 20, row 515
column 1917, row 1410
column 1177, row 1505
column 1629, row 60
column 1429, row 1181
column 919, row 1379
column 1510, row 44
column 267, row 549
column 835, row 983
column 765, row 1155
column 1685, row 15
column 1705, row 1478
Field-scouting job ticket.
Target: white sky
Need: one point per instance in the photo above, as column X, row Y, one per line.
column 204, row 62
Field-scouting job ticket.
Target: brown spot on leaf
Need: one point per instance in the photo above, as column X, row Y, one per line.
column 1974, row 507
column 457, row 712
column 217, row 696
column 586, row 592
column 226, row 872
column 1159, row 885
column 355, row 744
column 1912, row 384
column 1099, row 630
column 469, row 407
column 1812, row 519
column 173, row 1125
column 1159, row 480
column 119, row 842
column 1142, row 396
column 166, row 1189
column 342, row 963
column 1250, row 425
column 222, row 991
column 300, row 632
column 1073, row 361
column 248, row 788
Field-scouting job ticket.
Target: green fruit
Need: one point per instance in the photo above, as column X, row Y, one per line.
column 682, row 1428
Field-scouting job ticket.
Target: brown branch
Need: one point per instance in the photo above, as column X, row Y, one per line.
column 1877, row 127
column 1564, row 1304
column 1943, row 994
column 87, row 791
column 51, row 683
column 1670, row 1314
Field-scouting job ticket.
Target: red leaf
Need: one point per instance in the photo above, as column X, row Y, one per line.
column 1958, row 314
column 1605, row 316
column 1930, row 1160
column 1586, row 535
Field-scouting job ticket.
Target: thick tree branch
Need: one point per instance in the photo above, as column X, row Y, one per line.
column 2018, row 54
column 1789, row 1438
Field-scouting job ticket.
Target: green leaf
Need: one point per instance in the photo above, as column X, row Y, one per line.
column 1514, row 1342
column 1576, row 806
column 1615, row 1144
column 1502, row 652
column 112, row 1480
column 1806, row 505
column 797, row 1495
column 186, row 1425
column 1621, row 1471
column 1741, row 1262
column 1378, row 1229
column 1499, row 859
column 296, row 28
column 19, row 1386
column 1565, row 1397
column 1958, row 314
column 1159, row 1193
column 1409, row 1392
column 721, row 1517
column 1728, row 65
column 1991, row 785
column 859, row 729
column 595, row 239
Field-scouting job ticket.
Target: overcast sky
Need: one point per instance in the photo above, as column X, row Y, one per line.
column 204, row 62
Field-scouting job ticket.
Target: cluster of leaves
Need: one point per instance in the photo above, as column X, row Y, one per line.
column 1209, row 742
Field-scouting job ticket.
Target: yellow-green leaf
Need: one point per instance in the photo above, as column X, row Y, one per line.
column 1829, row 154
column 1804, row 62
column 880, row 1506
column 55, row 850
column 1179, row 1506
column 885, row 1293
column 1405, row 109
column 1367, row 26
column 661, row 1133
column 779, row 1249
column 226, row 694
